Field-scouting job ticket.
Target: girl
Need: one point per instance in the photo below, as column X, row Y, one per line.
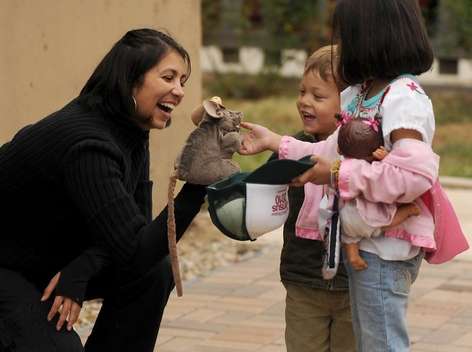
column 383, row 45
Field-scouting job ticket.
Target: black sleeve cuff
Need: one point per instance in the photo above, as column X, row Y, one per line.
column 193, row 191
column 76, row 275
column 71, row 285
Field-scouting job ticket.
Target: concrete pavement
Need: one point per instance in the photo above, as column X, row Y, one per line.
column 240, row 307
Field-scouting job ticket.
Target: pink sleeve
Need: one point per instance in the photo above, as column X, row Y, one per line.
column 409, row 170
column 291, row 148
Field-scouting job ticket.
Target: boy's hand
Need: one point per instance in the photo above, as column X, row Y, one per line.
column 258, row 139
column 319, row 174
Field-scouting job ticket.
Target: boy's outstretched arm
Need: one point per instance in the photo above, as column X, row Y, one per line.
column 258, row 139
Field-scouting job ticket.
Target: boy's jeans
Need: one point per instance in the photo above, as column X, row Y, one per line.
column 379, row 300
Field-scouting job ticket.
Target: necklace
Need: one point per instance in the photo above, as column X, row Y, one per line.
column 362, row 111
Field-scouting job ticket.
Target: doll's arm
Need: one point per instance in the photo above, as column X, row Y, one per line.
column 380, row 153
column 385, row 216
column 404, row 211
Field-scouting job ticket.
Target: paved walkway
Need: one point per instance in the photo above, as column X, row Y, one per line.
column 241, row 307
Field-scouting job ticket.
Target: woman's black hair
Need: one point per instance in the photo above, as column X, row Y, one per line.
column 110, row 86
column 380, row 39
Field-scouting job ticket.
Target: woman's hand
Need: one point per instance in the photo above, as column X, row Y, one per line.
column 319, row 174
column 258, row 139
column 69, row 309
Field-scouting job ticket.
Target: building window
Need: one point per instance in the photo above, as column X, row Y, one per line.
column 230, row 55
column 448, row 66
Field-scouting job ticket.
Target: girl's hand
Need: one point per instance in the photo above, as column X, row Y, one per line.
column 319, row 174
column 258, row 139
column 69, row 309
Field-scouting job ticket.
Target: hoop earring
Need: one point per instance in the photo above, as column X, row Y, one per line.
column 135, row 103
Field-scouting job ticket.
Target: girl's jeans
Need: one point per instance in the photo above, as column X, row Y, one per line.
column 379, row 301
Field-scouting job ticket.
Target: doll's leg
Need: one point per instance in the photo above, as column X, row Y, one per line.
column 352, row 252
column 404, row 211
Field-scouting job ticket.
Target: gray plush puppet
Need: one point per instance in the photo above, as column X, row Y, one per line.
column 204, row 159
column 206, row 156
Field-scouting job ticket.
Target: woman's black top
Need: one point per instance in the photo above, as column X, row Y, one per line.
column 76, row 198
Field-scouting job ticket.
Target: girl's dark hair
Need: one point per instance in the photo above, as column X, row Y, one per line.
column 380, row 39
column 123, row 68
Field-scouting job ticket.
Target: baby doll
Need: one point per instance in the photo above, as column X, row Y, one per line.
column 362, row 139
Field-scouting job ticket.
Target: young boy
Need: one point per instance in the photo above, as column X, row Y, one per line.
column 317, row 314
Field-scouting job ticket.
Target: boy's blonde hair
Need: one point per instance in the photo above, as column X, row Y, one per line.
column 324, row 62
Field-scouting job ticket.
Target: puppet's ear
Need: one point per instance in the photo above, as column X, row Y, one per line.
column 209, row 106
column 212, row 107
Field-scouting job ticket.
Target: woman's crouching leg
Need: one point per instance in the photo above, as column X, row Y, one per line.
column 23, row 319
column 131, row 313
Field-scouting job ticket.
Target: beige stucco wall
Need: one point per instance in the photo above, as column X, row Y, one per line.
column 49, row 48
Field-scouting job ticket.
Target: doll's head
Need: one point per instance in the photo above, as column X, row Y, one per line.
column 358, row 138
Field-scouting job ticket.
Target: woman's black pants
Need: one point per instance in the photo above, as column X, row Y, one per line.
column 128, row 320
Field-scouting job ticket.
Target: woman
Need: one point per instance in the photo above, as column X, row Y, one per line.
column 77, row 223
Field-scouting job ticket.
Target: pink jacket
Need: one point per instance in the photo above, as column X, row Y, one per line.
column 291, row 148
column 407, row 173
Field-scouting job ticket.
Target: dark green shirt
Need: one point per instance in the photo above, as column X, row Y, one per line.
column 301, row 259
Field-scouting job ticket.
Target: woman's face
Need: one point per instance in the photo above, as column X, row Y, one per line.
column 160, row 92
